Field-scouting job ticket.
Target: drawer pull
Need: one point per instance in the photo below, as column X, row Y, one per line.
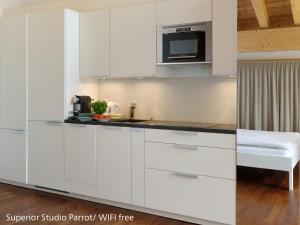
column 137, row 129
column 186, row 175
column 53, row 122
column 17, row 130
column 188, row 147
column 190, row 133
column 79, row 125
column 112, row 127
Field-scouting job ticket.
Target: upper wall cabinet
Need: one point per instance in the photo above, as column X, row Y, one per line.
column 224, row 37
column 171, row 12
column 94, row 43
column 133, row 40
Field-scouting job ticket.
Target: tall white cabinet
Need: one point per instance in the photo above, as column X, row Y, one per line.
column 46, row 154
column 53, row 63
column 13, row 101
column 53, row 58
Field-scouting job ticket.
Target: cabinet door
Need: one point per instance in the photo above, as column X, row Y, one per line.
column 133, row 41
column 13, row 72
column 46, row 154
column 201, row 197
column 138, row 166
column 80, row 159
column 172, row 12
column 13, row 155
column 94, row 43
column 46, row 66
column 224, row 37
column 114, row 163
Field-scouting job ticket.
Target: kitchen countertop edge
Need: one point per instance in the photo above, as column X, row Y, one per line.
column 157, row 126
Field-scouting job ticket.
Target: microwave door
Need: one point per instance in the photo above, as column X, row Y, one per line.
column 184, row 47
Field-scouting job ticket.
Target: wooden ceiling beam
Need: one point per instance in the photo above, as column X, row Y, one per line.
column 295, row 4
column 261, row 12
column 279, row 39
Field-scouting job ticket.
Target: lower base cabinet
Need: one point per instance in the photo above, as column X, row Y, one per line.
column 13, row 155
column 118, row 164
column 80, row 159
column 202, row 197
column 114, row 163
column 46, row 154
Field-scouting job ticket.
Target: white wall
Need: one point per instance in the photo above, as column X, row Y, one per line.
column 207, row 99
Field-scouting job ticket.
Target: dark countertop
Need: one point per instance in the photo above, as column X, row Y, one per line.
column 167, row 125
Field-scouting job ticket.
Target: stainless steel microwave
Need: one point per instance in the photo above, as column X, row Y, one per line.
column 184, row 44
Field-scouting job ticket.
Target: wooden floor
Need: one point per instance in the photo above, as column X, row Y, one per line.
column 21, row 201
column 263, row 198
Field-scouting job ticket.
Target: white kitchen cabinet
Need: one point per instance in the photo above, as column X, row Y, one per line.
column 46, row 154
column 206, row 198
column 191, row 174
column 114, row 163
column 13, row 155
column 80, row 159
column 95, row 43
column 53, row 57
column 174, row 12
column 138, row 166
column 214, row 162
column 190, row 138
column 225, row 37
column 133, row 40
column 13, row 103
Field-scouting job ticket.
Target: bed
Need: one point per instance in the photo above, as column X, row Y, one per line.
column 269, row 150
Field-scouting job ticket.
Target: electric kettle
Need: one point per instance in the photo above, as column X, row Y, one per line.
column 113, row 108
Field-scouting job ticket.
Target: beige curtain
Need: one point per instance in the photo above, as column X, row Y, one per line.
column 269, row 95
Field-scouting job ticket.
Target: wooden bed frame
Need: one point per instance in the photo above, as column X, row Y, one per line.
column 265, row 161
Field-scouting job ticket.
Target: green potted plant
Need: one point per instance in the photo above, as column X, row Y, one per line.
column 99, row 108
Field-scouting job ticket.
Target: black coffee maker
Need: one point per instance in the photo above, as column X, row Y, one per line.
column 81, row 104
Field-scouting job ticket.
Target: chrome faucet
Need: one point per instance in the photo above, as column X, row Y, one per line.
column 131, row 111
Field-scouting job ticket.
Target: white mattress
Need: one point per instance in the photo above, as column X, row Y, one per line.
column 268, row 139
column 243, row 149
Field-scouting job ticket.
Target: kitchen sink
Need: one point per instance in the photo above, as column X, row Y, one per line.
column 128, row 121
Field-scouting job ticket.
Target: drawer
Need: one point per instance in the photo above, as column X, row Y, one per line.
column 215, row 162
column 200, row 197
column 192, row 138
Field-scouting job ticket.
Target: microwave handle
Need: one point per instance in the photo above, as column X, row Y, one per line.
column 182, row 57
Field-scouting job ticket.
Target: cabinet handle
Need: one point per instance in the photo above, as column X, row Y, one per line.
column 78, row 125
column 112, row 127
column 186, row 132
column 53, row 122
column 137, row 129
column 186, row 175
column 188, row 147
column 19, row 131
